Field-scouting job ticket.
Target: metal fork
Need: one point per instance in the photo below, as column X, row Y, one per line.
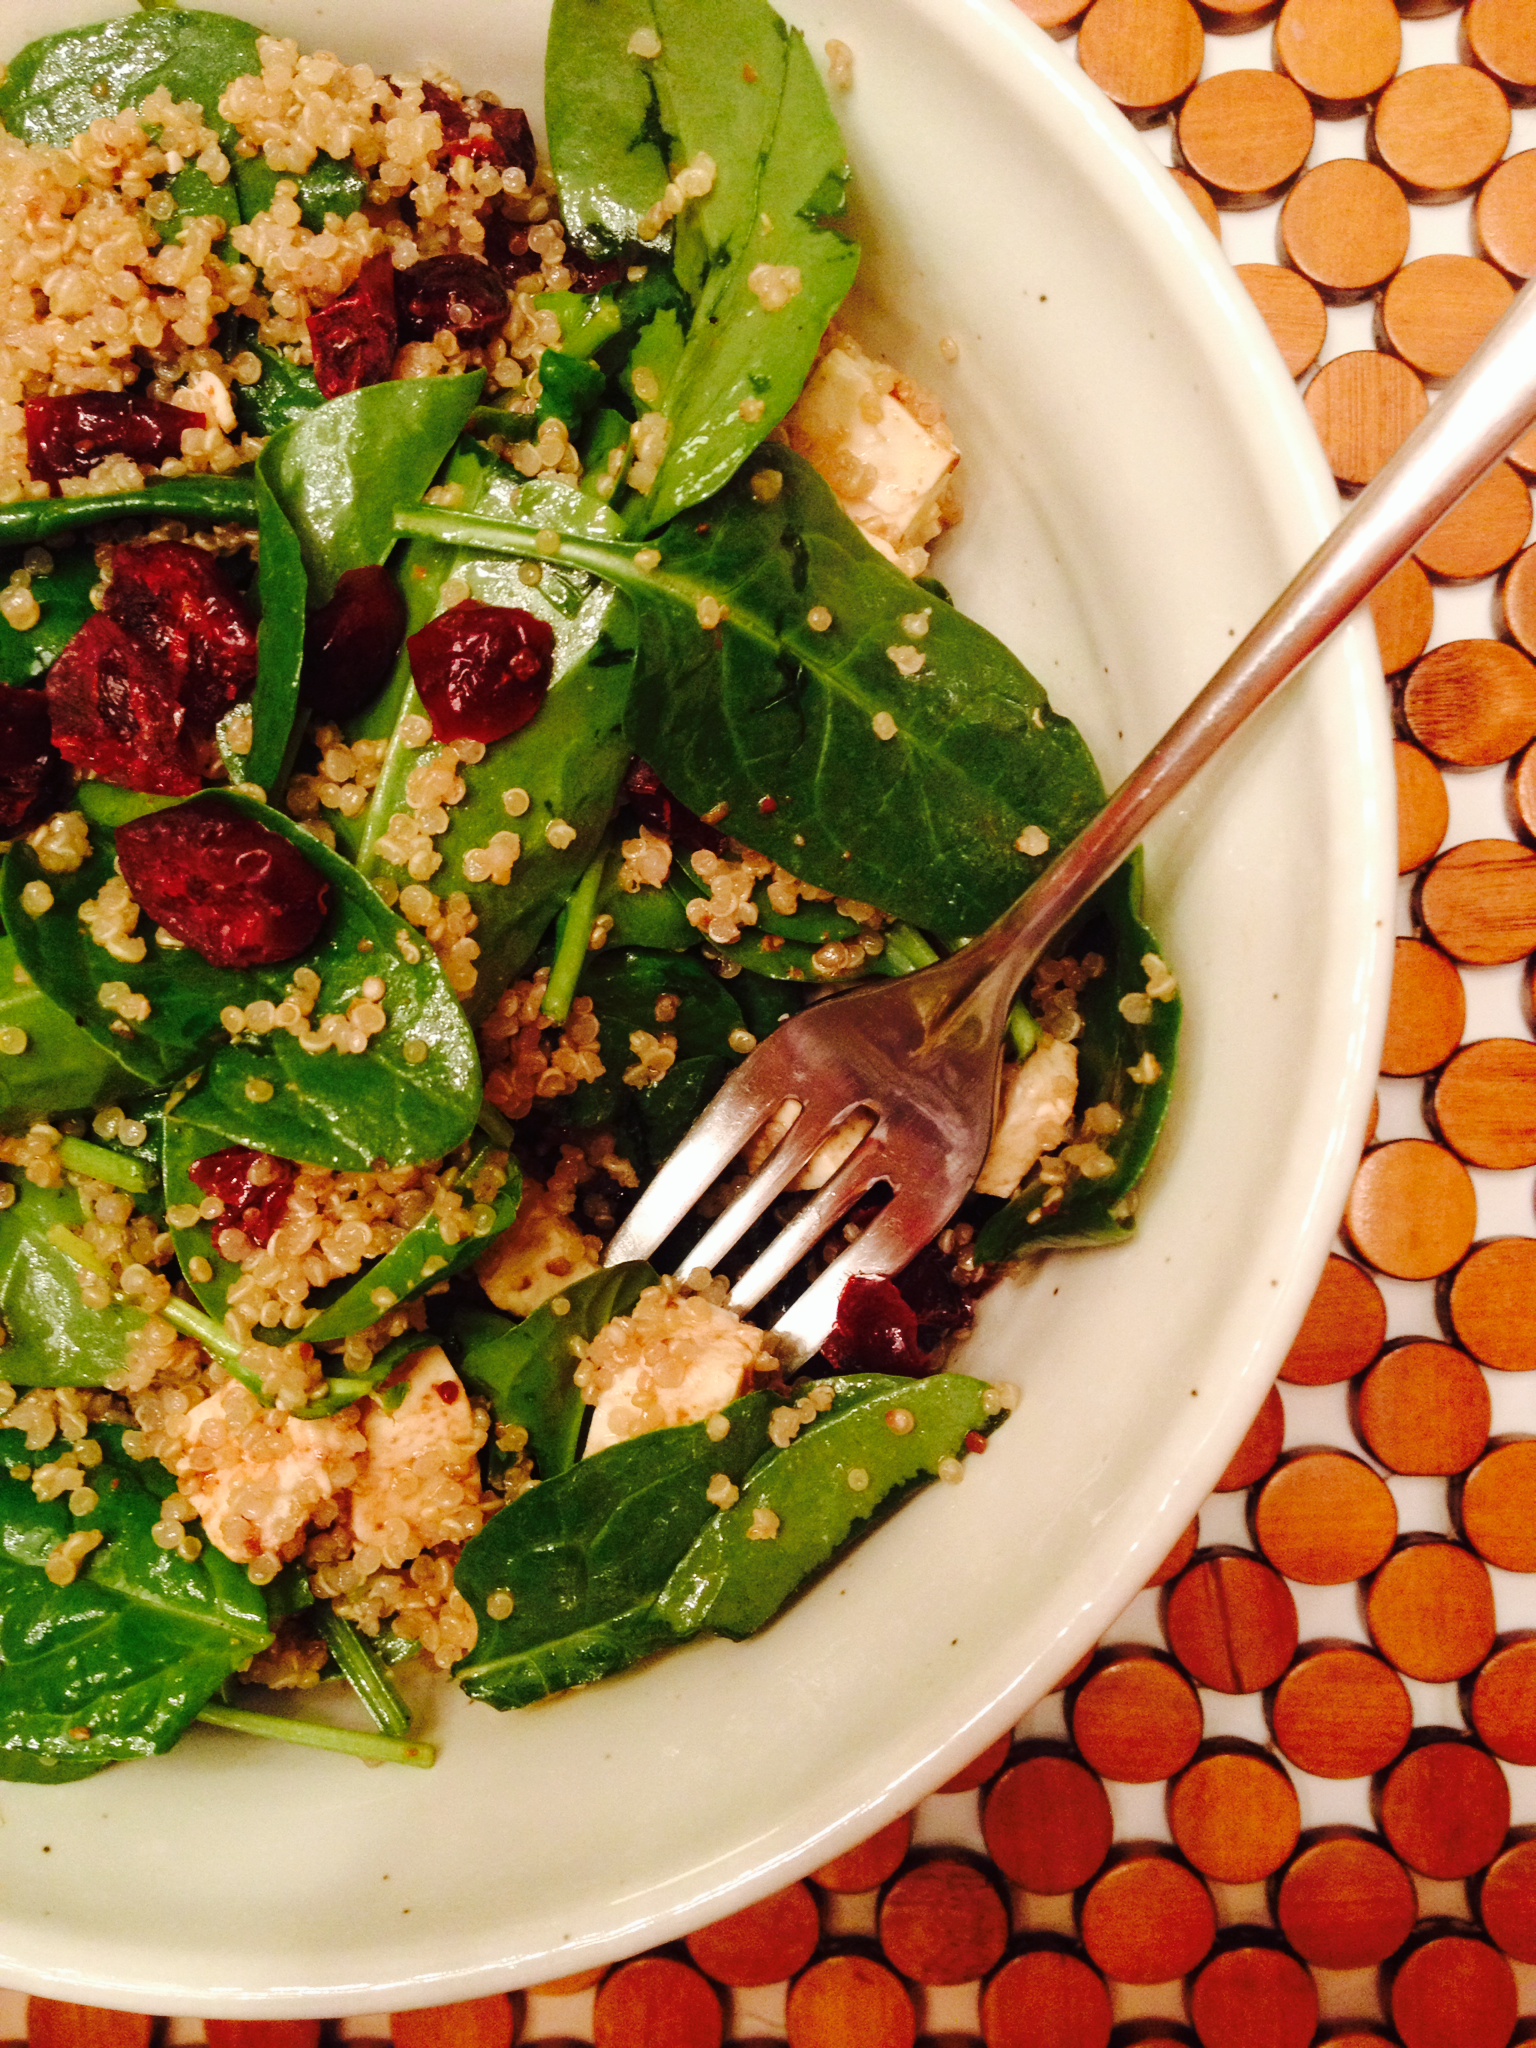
column 924, row 1054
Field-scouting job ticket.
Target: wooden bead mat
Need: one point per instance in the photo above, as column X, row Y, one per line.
column 1292, row 1797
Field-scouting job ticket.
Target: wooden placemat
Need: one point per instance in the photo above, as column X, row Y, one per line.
column 1293, row 1795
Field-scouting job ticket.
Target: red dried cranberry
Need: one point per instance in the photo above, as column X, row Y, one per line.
column 176, row 601
column 115, row 714
column 483, row 670
column 930, row 1289
column 588, row 274
column 31, row 773
column 258, row 1210
column 355, row 337
column 351, row 644
column 69, row 436
column 223, row 884
column 459, row 293
column 507, row 250
column 655, row 805
column 875, row 1331
column 486, row 134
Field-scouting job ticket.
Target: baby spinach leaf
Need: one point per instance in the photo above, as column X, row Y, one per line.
column 228, row 499
column 119, row 1663
column 647, row 916
column 52, row 1338
column 526, row 1370
column 64, row 596
column 324, row 1109
column 605, row 139
column 1096, row 1211
column 274, row 704
column 283, row 391
column 733, row 1583
column 922, row 824
column 586, row 1554
column 330, row 185
column 60, row 84
column 61, row 1067
column 625, row 988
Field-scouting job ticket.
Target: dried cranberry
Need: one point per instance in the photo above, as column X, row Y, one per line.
column 875, row 1331
column 223, row 884
column 31, row 773
column 257, row 1209
column 930, row 1289
column 507, row 250
column 655, row 805
column 177, row 602
column 487, row 134
column 69, row 436
column 459, row 293
column 115, row 714
column 351, row 644
column 588, row 275
column 483, row 670
column 355, row 337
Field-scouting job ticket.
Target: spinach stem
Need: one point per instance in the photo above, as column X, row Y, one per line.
column 75, row 1248
column 372, row 1749
column 906, row 946
column 495, row 1126
column 204, row 497
column 215, row 1339
column 355, row 1661
column 1023, row 1030
column 117, row 1169
column 572, row 941
column 613, row 560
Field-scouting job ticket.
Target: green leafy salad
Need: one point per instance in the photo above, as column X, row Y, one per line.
column 471, row 671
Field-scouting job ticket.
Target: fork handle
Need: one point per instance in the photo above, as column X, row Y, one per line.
column 1478, row 417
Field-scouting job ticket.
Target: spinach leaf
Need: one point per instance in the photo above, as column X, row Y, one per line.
column 64, row 596
column 228, row 499
column 61, row 1067
column 923, row 824
column 119, row 1663
column 625, row 989
column 52, row 1338
column 1096, row 1211
column 283, row 392
column 606, row 146
column 323, row 1109
column 60, row 84
column 654, row 918
column 420, row 1260
column 526, row 1370
column 586, row 1554
column 733, row 1583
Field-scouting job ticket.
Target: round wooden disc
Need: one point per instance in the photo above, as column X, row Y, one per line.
column 1199, row 199
column 1505, row 216
column 1428, row 1012
column 1257, row 1452
column 55, row 2023
column 943, row 1922
column 1523, row 455
column 1231, row 1622
column 475, row 2023
column 1324, row 1518
column 1057, row 17
column 1046, row 1997
column 762, row 1944
column 1412, row 1212
column 1252, row 1992
column 1490, row 1304
column 1145, row 54
column 1148, row 1919
column 1403, row 611
column 1430, row 1610
column 982, row 1769
column 1343, row 1330
column 1340, row 52
column 1235, row 17
column 1235, row 1814
column 1484, row 1104
column 1501, row 36
column 1070, row 1678
column 1487, row 529
column 1501, row 1700
column 267, row 2033
column 1423, row 808
column 1345, row 1902
column 1344, row 226
column 1364, row 406
column 1046, row 1822
column 1436, row 313
column 1176, row 1559
column 1444, row 1807
column 1424, row 1408
column 1245, row 135
column 1292, row 311
column 1341, row 1712
column 1440, row 130
column 1496, row 1506
column 656, row 2002
column 1506, row 1899
column 863, row 1868
column 849, row 2001
column 1479, row 902
column 1517, row 598
column 1454, row 1991
column 1136, row 1718
column 1472, row 702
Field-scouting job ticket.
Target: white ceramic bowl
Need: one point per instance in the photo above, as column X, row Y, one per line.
column 1140, row 482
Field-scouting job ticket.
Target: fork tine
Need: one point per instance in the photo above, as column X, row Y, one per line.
column 795, row 1149
column 895, row 1237
column 740, row 1109
column 858, row 1173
